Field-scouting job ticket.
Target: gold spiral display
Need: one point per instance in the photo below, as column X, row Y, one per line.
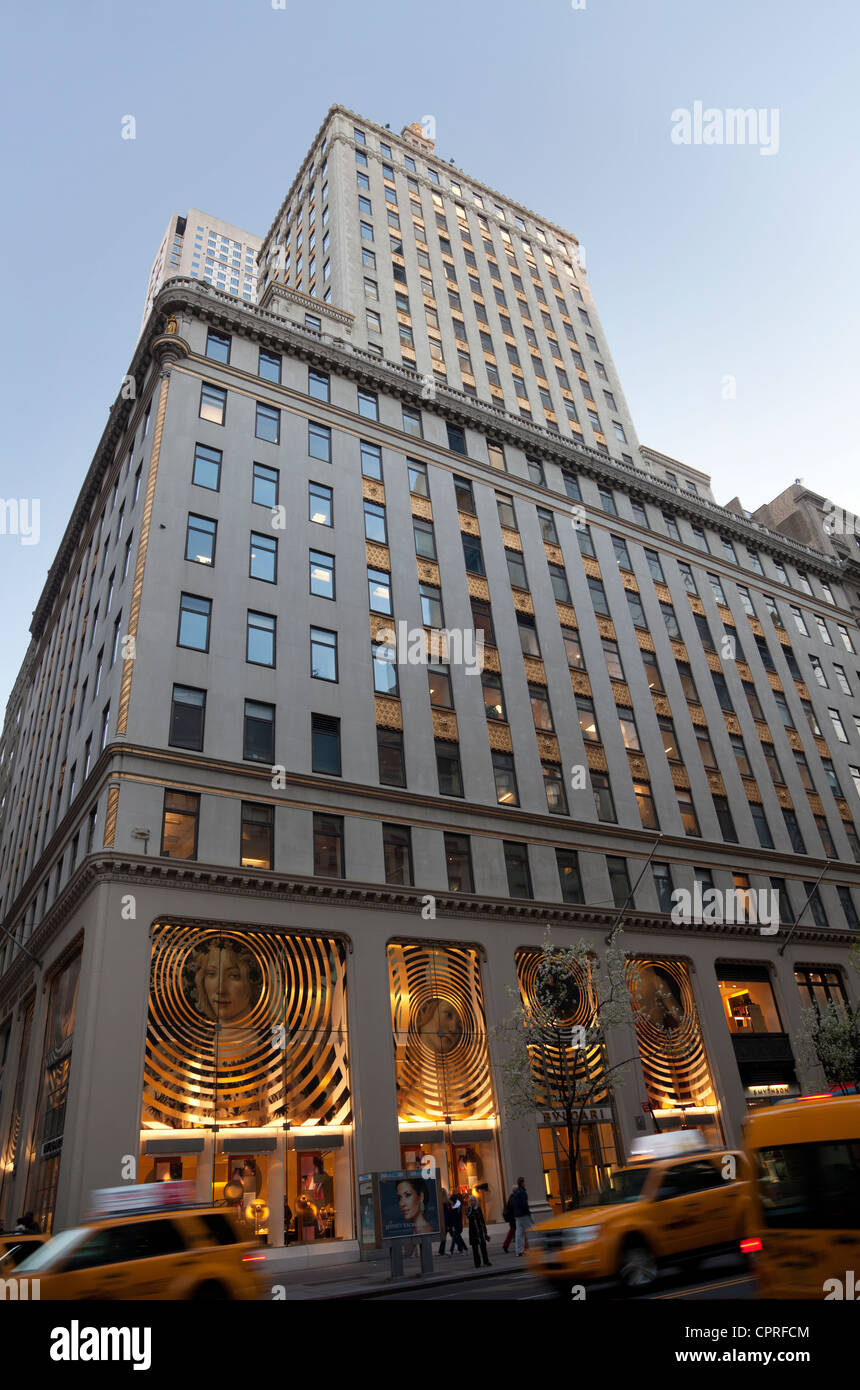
column 245, row 1028
column 559, row 1068
column 668, row 1033
column 440, row 1034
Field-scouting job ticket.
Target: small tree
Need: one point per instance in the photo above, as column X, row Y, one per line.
column 829, row 1037
column 553, row 1044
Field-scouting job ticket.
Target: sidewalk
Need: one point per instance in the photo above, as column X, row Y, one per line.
column 372, row 1278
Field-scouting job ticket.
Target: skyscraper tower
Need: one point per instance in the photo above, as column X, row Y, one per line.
column 366, row 655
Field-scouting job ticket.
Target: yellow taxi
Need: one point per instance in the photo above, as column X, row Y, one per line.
column 804, row 1233
column 675, row 1202
column 15, row 1248
column 163, row 1251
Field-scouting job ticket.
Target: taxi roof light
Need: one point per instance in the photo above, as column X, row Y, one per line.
column 680, row 1141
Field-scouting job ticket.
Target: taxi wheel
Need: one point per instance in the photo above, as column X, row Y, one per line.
column 637, row 1269
column 209, row 1292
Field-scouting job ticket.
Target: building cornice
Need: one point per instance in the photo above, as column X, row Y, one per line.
column 187, row 875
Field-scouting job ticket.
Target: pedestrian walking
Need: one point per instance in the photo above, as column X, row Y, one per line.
column 522, row 1214
column 508, row 1215
column 478, row 1236
column 456, row 1225
column 446, row 1222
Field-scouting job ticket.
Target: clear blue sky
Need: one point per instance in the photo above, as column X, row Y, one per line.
column 704, row 261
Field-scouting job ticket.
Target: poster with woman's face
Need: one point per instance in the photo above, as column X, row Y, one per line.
column 409, row 1205
column 439, row 1025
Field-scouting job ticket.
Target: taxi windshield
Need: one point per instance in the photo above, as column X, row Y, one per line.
column 52, row 1250
column 624, row 1186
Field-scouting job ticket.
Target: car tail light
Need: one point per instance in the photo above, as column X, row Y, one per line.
column 252, row 1259
column 751, row 1246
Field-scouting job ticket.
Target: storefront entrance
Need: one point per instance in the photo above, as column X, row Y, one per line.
column 596, row 1157
column 467, row 1163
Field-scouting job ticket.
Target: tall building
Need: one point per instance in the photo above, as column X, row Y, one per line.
column 205, row 248
column 356, row 668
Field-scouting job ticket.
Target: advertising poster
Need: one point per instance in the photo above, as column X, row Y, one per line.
column 409, row 1205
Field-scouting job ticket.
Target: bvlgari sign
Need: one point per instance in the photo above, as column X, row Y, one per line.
column 593, row 1114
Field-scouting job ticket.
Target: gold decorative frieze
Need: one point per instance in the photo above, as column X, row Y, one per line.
column 716, row 784
column 110, row 816
column 713, row 661
column 553, row 553
column 663, row 592
column 645, row 640
column 783, row 796
column 621, row 692
column 548, row 747
column 751, row 787
column 794, row 739
column 535, row 670
column 499, row 735
column 523, row 603
column 421, row 506
column 662, row 706
column 566, row 614
column 784, row 639
column 773, row 680
column 679, row 775
column 591, row 567
column 844, row 810
column 725, row 613
column 379, row 624
column 491, row 658
column 638, row 765
column 445, row 726
column 372, row 490
column 823, row 750
column 756, row 627
column 802, row 690
column 512, row 539
column 732, row 722
column 377, row 556
column 469, row 523
column 745, row 673
column 679, row 651
column 580, row 683
column 816, row 805
column 596, row 758
column 762, row 729
column 428, row 572
column 629, row 581
column 478, row 588
column 388, row 713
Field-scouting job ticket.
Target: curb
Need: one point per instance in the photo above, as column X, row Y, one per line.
column 415, row 1281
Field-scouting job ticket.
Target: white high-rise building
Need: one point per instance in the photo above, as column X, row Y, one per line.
column 205, row 248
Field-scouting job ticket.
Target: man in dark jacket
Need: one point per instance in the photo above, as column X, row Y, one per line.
column 477, row 1232
column 522, row 1213
column 456, row 1227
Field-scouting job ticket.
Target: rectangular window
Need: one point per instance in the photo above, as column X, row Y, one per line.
column 558, row 579
column 325, row 744
column 187, row 717
column 663, row 886
column 318, row 385
column 397, row 854
column 213, row 403
column 323, row 654
column 419, row 483
column 321, row 570
column 371, row 460
column 269, row 366
column 328, row 846
column 689, row 820
column 200, row 539
column 264, row 486
column 368, row 404
column 456, row 439
column 263, row 561
column 319, row 441
column 505, row 778
column 218, row 346
column 207, row 467
column 724, row 817
column 517, row 867
column 516, row 569
column 379, row 591
column 257, row 847
column 374, row 523
column 194, row 617
column 448, row 768
column 392, row 767
column 179, row 825
column 320, row 501
column 603, row 802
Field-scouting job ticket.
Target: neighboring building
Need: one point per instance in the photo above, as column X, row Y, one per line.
column 205, row 248
column 268, row 878
column 821, row 522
